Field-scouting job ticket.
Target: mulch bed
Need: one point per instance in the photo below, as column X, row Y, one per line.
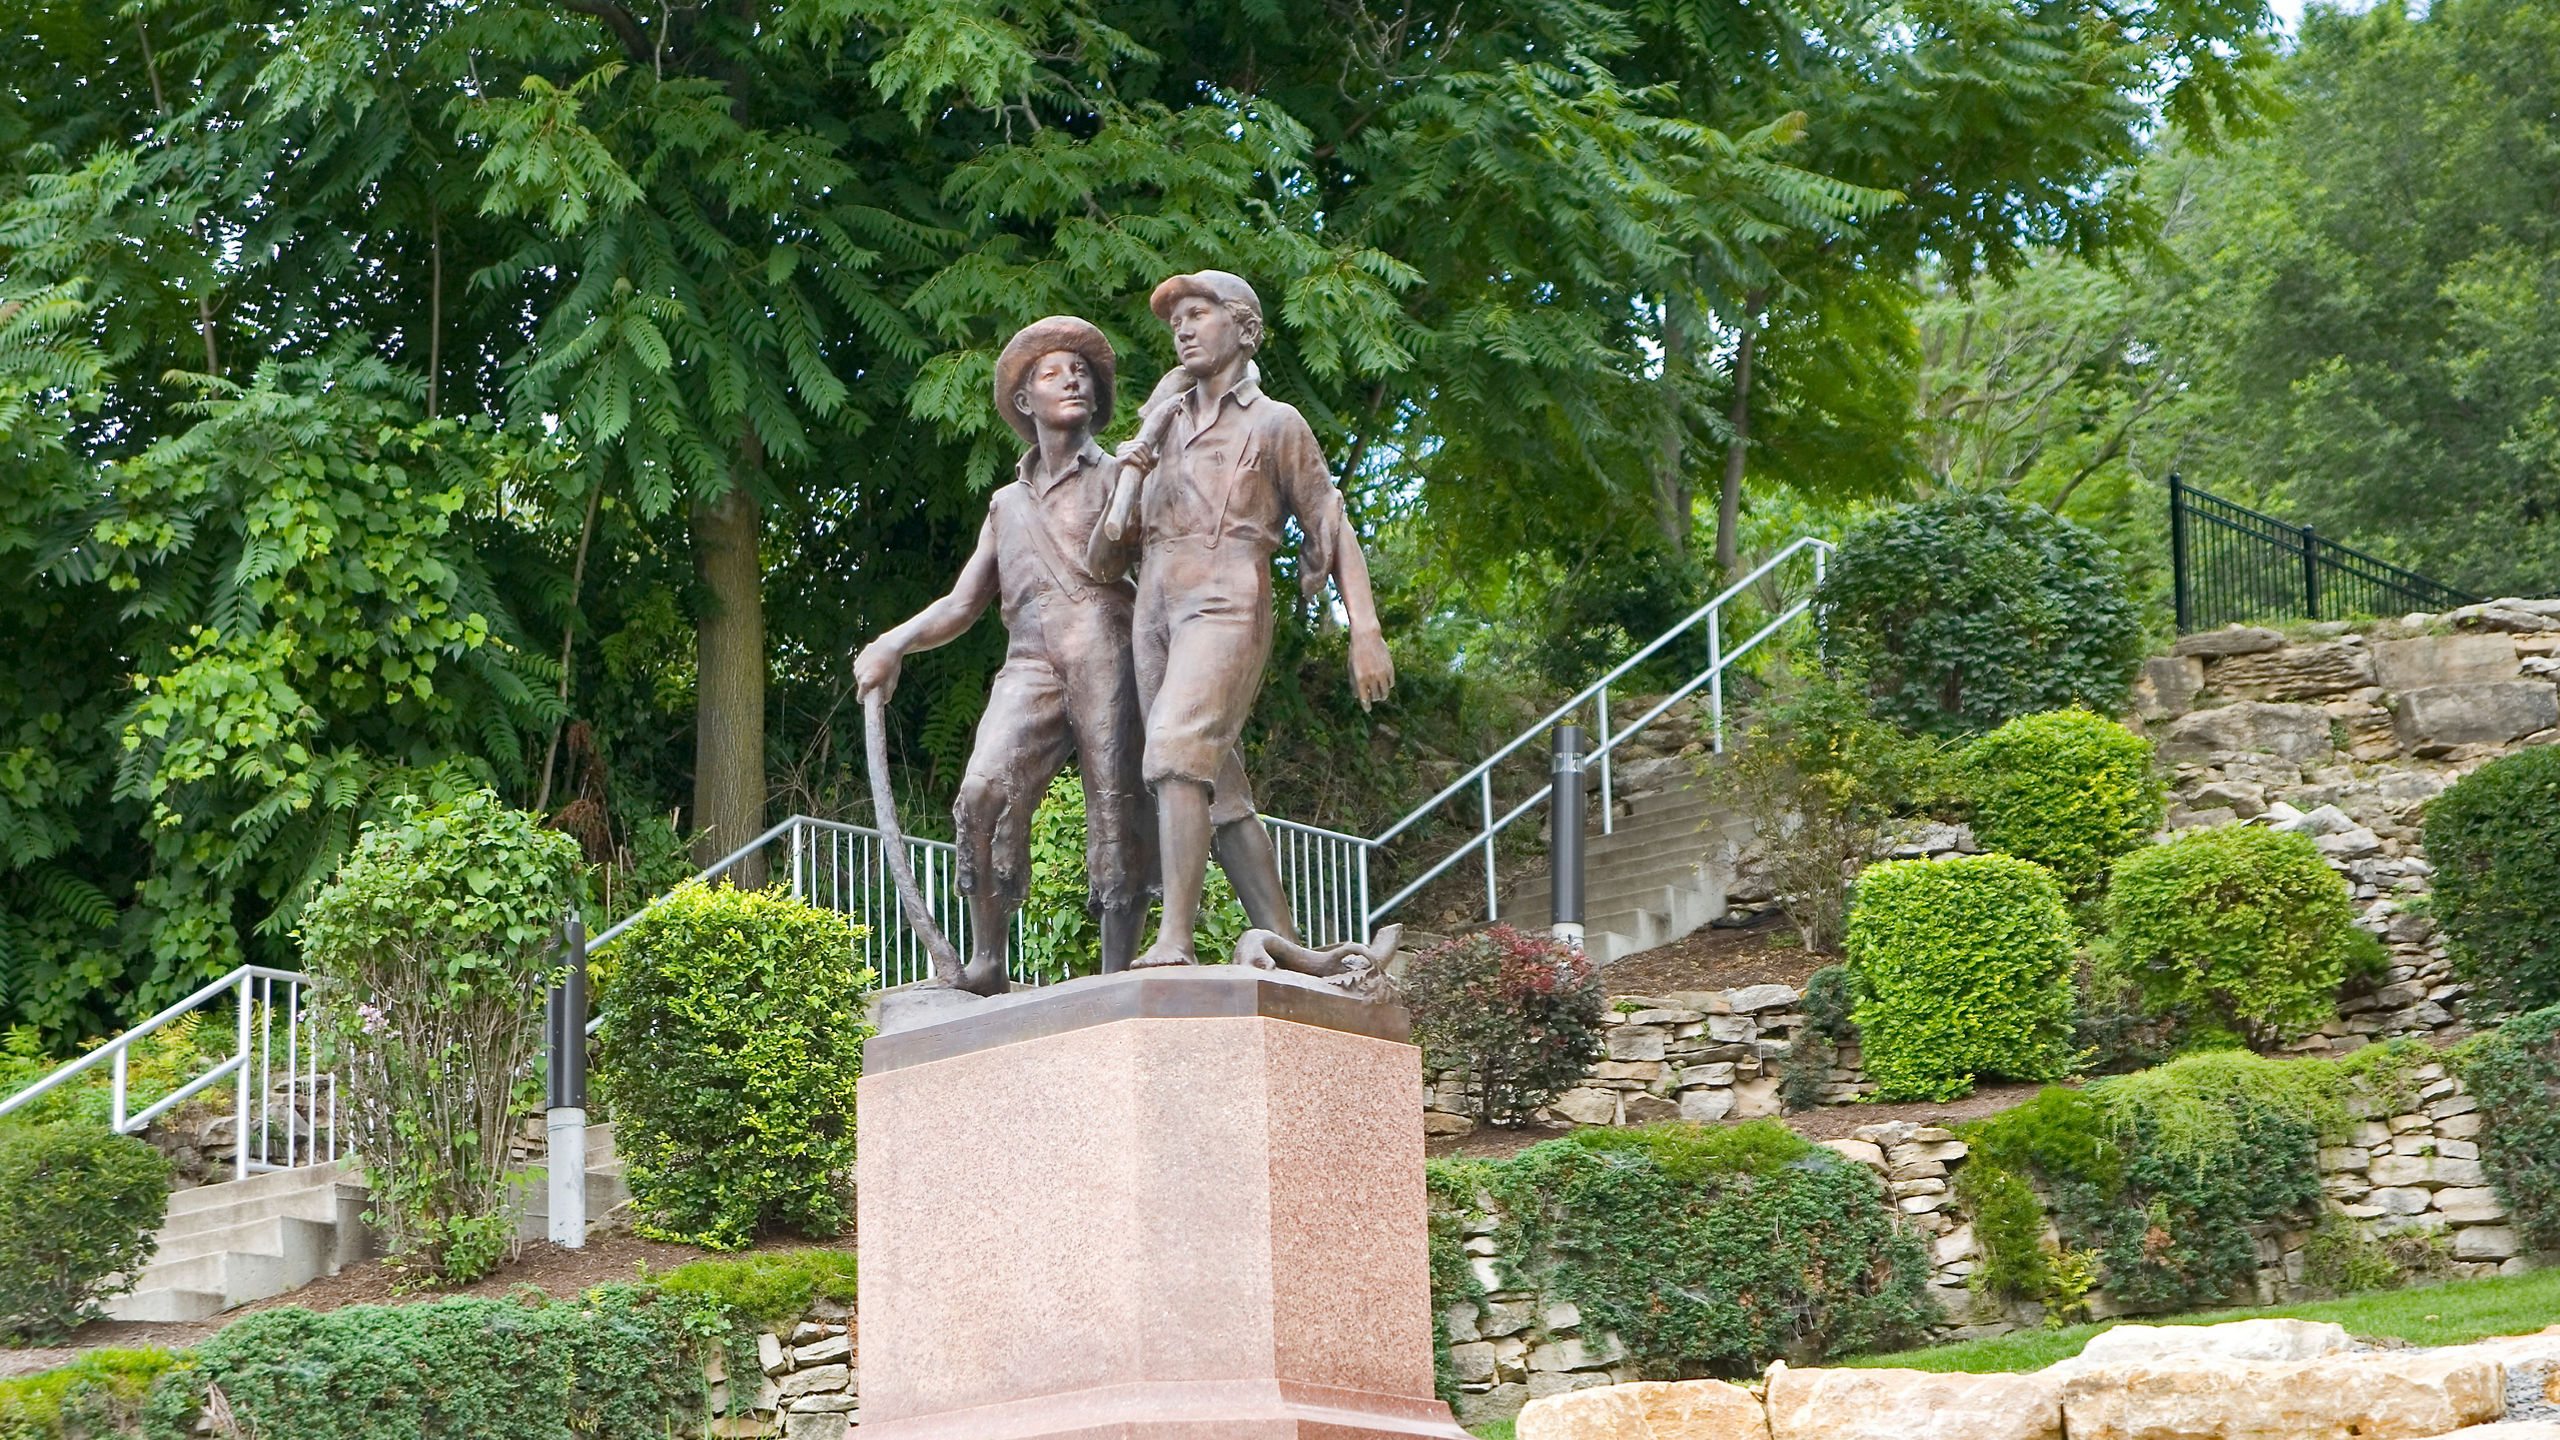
column 541, row 1265
column 1712, row 959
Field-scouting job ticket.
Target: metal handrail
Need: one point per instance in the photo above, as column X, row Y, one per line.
column 253, row 988
column 1712, row 676
column 1709, row 612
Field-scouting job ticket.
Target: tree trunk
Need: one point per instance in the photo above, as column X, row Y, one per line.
column 728, row 727
column 1729, row 501
column 1672, row 500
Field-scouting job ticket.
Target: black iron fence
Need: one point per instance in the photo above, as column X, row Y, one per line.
column 2233, row 563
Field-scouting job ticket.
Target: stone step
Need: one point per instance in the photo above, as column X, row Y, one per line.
column 259, row 1187
column 284, row 1235
column 1603, row 890
column 166, row 1307
column 327, row 1203
column 238, row 1276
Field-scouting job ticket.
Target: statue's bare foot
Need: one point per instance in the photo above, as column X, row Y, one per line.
column 1164, row 952
column 983, row 977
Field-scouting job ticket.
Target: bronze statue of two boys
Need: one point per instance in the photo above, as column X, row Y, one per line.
column 1146, row 682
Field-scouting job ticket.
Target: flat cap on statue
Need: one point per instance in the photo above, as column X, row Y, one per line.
column 1213, row 285
column 1043, row 337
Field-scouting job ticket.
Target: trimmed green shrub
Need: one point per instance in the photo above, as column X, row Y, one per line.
column 764, row 1286
column 2236, row 928
column 79, row 1205
column 1519, row 1014
column 733, row 1030
column 1705, row 1249
column 2068, row 789
column 2514, row 1073
column 1966, row 610
column 97, row 1395
column 2494, row 838
column 2153, row 1180
column 439, row 935
column 622, row 1362
column 1962, row 968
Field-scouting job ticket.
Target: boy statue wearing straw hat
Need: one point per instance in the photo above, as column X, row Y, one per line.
column 1201, row 498
column 1067, row 679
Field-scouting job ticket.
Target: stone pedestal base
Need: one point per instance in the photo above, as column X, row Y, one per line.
column 1169, row 1205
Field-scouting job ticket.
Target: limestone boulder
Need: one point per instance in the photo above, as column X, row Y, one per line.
column 2509, row 1430
column 2298, row 672
column 1647, row 1410
column 2443, row 660
column 2382, row 1396
column 2294, row 733
column 1912, row 1405
column 2432, row 719
column 2232, row 1340
column 2167, row 686
column 2230, row 640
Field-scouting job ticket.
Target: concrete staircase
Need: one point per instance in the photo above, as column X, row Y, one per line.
column 1660, row 874
column 607, row 1191
column 242, row 1240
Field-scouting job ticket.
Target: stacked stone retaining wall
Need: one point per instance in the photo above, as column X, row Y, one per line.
column 2402, row 1170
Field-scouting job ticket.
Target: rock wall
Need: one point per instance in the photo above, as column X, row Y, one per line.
column 810, row 1388
column 2242, row 1380
column 2402, row 1170
column 2345, row 734
column 1694, row 1055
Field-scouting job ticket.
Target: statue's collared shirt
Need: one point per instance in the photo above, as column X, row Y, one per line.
column 1041, row 523
column 1232, row 475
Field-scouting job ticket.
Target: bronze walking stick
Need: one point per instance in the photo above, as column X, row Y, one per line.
column 884, row 815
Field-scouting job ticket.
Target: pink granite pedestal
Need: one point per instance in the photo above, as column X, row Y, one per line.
column 1170, row 1205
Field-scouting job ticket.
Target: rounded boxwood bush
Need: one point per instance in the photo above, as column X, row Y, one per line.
column 1962, row 968
column 2068, row 789
column 733, row 1030
column 79, row 1205
column 2494, row 838
column 1968, row 609
column 2236, row 928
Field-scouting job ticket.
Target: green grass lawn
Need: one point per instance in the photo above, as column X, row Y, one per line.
column 2436, row 1315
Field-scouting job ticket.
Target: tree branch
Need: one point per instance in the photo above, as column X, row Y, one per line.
column 626, row 29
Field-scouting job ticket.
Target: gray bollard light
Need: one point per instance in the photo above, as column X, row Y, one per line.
column 1564, row 842
column 565, row 1017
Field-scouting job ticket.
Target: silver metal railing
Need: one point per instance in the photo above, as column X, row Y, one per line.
column 278, row 1123
column 1806, row 553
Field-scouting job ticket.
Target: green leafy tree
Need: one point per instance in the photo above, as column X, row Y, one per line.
column 2373, row 284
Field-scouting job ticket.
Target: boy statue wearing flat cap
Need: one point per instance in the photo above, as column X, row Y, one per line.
column 1225, row 468
column 1067, row 678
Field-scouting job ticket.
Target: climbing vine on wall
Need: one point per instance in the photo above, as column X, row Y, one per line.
column 1704, row 1249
